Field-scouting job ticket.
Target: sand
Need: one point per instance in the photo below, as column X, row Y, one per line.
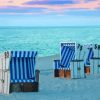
column 45, row 63
column 59, row 88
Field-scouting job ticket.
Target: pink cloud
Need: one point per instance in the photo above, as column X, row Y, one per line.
column 80, row 4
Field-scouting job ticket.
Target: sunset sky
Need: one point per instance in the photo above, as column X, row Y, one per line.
column 49, row 12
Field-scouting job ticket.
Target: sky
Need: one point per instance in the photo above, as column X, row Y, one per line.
column 49, row 12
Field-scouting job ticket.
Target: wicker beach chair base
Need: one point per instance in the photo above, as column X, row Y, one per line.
column 87, row 70
column 56, row 73
column 61, row 73
column 24, row 87
column 68, row 74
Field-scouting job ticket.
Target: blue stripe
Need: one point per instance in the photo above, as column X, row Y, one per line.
column 15, row 53
column 24, row 54
column 17, row 69
column 29, row 75
column 33, row 63
column 26, row 71
column 29, row 67
column 21, row 68
column 55, row 64
column 68, row 59
column 62, row 50
column 71, row 56
column 23, row 65
column 33, row 54
column 65, row 58
column 64, row 54
column 11, row 69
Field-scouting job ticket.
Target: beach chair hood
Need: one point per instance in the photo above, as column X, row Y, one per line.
column 22, row 66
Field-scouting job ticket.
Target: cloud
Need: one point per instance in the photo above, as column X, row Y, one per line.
column 12, row 9
column 51, row 2
column 46, row 6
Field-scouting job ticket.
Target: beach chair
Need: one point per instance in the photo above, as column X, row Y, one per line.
column 88, row 56
column 62, row 66
column 77, row 64
column 22, row 70
column 22, row 76
column 95, row 61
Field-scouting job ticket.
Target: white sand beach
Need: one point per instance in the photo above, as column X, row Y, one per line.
column 45, row 63
column 59, row 88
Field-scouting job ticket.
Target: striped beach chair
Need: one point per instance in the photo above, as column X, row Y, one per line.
column 95, row 61
column 88, row 56
column 77, row 64
column 22, row 70
column 62, row 66
column 22, row 66
column 22, row 76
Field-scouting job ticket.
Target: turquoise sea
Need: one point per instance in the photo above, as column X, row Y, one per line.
column 45, row 40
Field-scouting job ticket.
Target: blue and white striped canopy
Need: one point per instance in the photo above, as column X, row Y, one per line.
column 67, row 54
column 24, row 54
column 22, row 66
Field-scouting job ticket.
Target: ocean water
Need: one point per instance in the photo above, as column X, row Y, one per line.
column 45, row 40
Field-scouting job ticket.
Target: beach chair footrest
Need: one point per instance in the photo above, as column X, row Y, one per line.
column 24, row 87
